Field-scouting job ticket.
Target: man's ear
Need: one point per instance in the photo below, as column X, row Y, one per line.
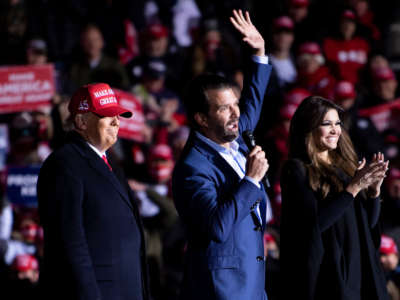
column 80, row 121
column 201, row 119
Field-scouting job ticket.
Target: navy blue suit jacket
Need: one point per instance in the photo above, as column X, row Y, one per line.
column 93, row 239
column 225, row 254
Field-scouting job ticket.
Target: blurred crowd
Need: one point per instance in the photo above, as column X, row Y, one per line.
column 344, row 50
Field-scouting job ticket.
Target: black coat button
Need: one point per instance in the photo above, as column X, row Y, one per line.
column 260, row 258
column 258, row 228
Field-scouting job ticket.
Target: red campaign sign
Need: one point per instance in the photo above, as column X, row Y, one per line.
column 26, row 87
column 130, row 128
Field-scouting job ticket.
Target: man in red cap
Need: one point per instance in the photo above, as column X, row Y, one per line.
column 281, row 57
column 93, row 239
column 389, row 256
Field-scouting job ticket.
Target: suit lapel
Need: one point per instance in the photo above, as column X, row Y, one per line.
column 217, row 160
column 97, row 164
column 100, row 167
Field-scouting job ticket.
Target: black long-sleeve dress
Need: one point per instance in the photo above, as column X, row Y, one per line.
column 328, row 245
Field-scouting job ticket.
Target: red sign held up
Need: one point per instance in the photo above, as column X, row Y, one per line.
column 132, row 127
column 25, row 88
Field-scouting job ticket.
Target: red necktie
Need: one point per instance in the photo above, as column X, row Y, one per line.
column 106, row 161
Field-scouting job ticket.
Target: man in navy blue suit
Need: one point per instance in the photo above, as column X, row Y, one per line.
column 93, row 238
column 217, row 183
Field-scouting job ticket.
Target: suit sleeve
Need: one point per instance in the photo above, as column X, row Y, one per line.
column 202, row 204
column 254, row 88
column 69, row 198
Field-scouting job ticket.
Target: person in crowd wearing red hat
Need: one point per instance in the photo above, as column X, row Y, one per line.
column 382, row 105
column 94, row 65
column 389, row 256
column 212, row 51
column 360, row 128
column 313, row 75
column 330, row 210
column 157, row 211
column 275, row 139
column 156, row 44
column 281, row 57
column 93, row 238
column 304, row 22
column 365, row 17
column 23, row 278
column 216, row 183
column 346, row 54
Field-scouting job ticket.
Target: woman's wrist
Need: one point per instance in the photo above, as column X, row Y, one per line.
column 353, row 189
column 373, row 193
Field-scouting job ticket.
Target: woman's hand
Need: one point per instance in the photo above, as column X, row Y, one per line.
column 374, row 190
column 367, row 175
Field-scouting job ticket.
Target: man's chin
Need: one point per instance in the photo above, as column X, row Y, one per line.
column 231, row 136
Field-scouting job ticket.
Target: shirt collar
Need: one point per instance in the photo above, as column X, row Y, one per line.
column 96, row 150
column 234, row 146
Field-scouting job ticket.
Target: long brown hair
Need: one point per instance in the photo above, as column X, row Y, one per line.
column 308, row 117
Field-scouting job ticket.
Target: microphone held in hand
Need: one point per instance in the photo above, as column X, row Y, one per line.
column 250, row 141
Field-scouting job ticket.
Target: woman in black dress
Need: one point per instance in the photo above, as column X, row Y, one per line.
column 330, row 211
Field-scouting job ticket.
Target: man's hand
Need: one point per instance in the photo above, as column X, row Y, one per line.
column 250, row 33
column 257, row 164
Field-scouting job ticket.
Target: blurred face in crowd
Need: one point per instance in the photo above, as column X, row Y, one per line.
column 298, row 13
column 36, row 57
column 378, row 62
column 347, row 28
column 386, row 89
column 161, row 170
column 360, row 6
column 221, row 124
column 211, row 42
column 394, row 189
column 328, row 133
column 347, row 103
column 92, row 42
column 31, row 275
column 101, row 132
column 389, row 261
column 153, row 85
column 308, row 63
column 157, row 47
column 283, row 40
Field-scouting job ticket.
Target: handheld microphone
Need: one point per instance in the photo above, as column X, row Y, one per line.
column 250, row 141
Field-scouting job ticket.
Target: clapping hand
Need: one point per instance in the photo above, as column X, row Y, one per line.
column 249, row 32
column 369, row 176
column 374, row 189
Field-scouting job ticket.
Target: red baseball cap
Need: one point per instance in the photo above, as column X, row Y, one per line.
column 388, row 246
column 98, row 98
column 349, row 14
column 309, row 48
column 384, row 73
column 157, row 31
column 296, row 95
column 283, row 23
column 25, row 262
column 287, row 111
column 394, row 174
column 299, row 3
column 160, row 151
column 344, row 90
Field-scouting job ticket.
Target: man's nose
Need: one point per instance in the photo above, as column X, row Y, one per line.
column 235, row 112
